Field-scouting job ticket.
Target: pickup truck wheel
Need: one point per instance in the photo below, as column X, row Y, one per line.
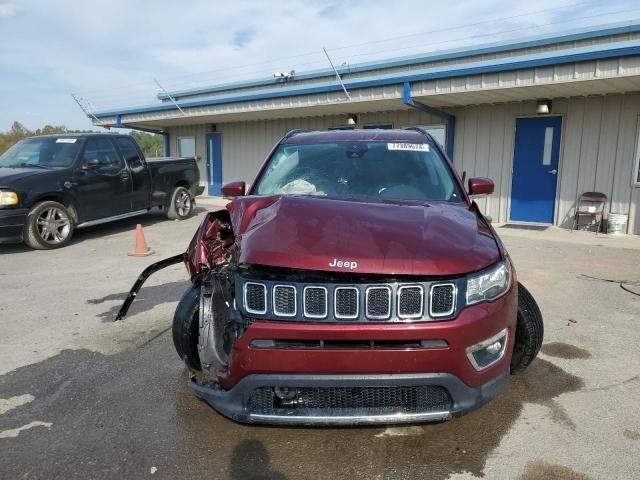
column 529, row 331
column 181, row 204
column 49, row 225
column 185, row 328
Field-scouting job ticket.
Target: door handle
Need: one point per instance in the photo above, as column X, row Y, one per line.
column 124, row 174
column 553, row 172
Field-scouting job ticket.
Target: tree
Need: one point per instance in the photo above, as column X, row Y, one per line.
column 151, row 144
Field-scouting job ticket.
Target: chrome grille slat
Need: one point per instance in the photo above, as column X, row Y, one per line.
column 255, row 297
column 410, row 301
column 442, row 299
column 315, row 302
column 378, row 303
column 284, row 300
column 346, row 302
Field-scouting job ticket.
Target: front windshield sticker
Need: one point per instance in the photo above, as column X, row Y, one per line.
column 66, row 140
column 411, row 147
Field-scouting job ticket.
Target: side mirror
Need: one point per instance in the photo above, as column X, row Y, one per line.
column 234, row 189
column 91, row 164
column 480, row 186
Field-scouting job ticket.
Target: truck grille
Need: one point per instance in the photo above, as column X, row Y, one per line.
column 340, row 302
column 340, row 401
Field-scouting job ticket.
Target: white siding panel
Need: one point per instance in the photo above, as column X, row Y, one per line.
column 570, row 161
column 621, row 190
column 608, row 144
column 589, row 144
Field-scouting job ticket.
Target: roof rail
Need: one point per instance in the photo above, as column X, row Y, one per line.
column 421, row 130
column 293, row 132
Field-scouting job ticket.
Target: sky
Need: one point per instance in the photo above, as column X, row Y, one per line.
column 110, row 53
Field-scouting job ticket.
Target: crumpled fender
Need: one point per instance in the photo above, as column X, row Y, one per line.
column 211, row 245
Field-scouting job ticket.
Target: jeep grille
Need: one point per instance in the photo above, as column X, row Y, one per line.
column 344, row 302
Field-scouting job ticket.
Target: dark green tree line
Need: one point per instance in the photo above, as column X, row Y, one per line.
column 150, row 144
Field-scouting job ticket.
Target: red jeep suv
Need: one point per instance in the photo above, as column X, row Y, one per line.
column 356, row 282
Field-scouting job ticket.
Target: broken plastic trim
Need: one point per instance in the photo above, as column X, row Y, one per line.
column 146, row 273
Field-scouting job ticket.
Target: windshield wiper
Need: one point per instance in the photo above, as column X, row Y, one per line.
column 29, row 165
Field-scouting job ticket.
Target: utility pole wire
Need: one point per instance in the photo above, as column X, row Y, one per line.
column 337, row 74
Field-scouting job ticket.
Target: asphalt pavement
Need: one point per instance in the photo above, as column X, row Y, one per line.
column 82, row 396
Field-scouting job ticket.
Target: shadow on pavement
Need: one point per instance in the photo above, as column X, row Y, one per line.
column 148, row 298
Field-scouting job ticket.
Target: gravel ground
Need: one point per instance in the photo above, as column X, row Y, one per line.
column 84, row 397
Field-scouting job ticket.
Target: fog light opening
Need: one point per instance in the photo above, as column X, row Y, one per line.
column 488, row 352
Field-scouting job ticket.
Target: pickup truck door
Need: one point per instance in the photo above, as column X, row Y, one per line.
column 140, row 173
column 101, row 184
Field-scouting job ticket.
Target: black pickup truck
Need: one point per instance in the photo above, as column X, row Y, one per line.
column 51, row 185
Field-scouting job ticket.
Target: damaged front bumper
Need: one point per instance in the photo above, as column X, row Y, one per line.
column 342, row 399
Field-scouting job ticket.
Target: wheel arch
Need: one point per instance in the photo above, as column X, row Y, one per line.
column 57, row 197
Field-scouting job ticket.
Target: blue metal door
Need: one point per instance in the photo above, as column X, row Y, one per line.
column 535, row 169
column 214, row 163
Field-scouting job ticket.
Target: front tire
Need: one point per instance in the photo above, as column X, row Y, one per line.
column 529, row 331
column 181, row 204
column 49, row 225
column 185, row 328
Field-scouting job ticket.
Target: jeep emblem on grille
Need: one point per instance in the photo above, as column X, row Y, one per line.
column 343, row 264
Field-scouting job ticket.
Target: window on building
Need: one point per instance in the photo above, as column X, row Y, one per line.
column 186, row 146
column 382, row 126
column 102, row 151
column 438, row 132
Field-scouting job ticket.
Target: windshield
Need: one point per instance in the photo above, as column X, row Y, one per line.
column 43, row 152
column 406, row 171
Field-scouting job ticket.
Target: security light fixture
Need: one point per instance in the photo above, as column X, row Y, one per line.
column 543, row 107
column 352, row 119
column 284, row 75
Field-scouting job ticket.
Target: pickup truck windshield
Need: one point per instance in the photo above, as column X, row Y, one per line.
column 48, row 152
column 405, row 171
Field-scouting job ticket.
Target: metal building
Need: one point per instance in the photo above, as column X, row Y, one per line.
column 547, row 118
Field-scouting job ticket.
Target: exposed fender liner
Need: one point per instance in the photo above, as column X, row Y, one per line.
column 146, row 273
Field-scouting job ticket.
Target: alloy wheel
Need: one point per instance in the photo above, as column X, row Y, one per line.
column 183, row 204
column 53, row 225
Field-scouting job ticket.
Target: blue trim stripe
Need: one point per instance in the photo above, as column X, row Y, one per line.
column 498, row 47
column 559, row 57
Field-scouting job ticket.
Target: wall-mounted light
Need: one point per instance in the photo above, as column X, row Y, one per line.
column 543, row 107
column 352, row 119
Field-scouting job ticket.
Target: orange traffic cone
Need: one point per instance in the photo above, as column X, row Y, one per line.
column 141, row 249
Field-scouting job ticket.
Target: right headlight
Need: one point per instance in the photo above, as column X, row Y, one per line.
column 489, row 284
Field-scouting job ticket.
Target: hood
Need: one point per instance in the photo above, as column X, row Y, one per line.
column 361, row 237
column 9, row 175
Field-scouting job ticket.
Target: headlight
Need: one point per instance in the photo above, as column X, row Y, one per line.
column 489, row 284
column 8, row 198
